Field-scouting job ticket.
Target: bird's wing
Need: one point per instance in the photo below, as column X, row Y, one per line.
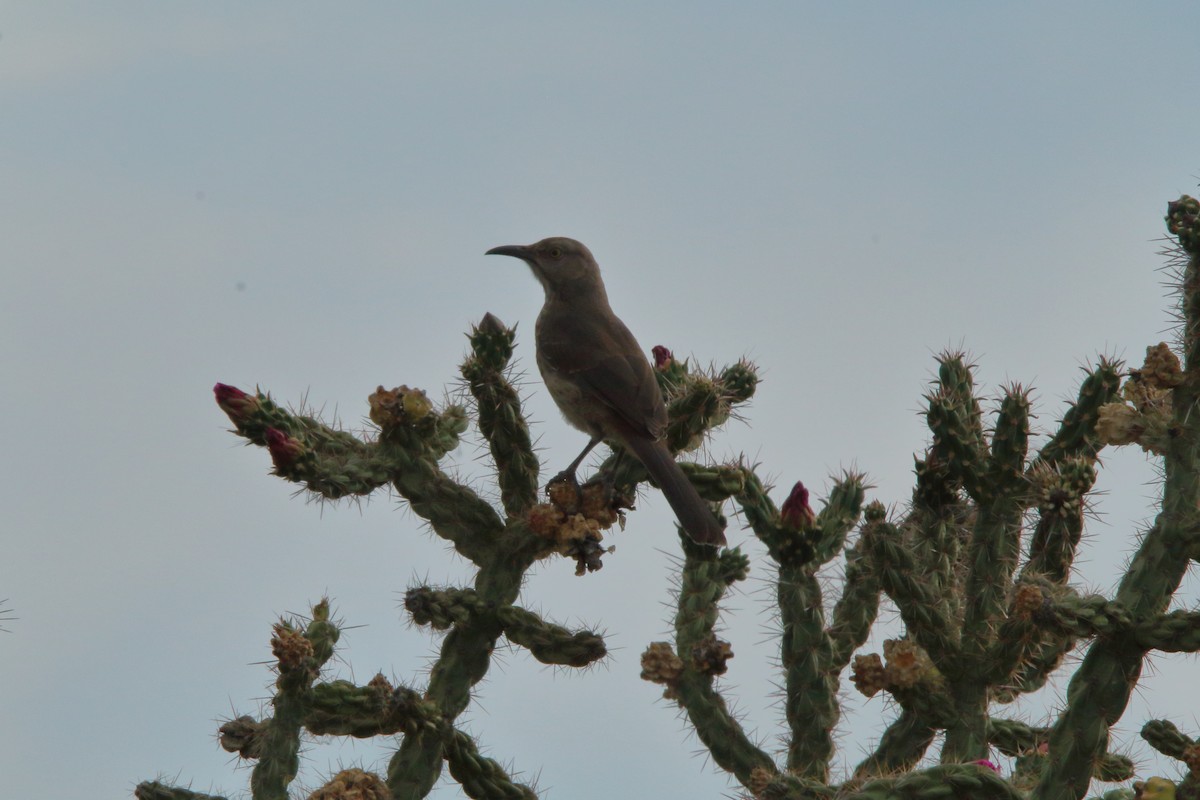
column 605, row 361
column 627, row 386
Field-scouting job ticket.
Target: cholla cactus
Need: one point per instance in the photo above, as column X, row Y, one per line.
column 978, row 563
column 413, row 436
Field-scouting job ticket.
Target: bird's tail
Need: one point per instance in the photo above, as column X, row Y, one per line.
column 694, row 514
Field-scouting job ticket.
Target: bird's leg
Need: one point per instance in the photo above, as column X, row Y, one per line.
column 608, row 478
column 616, row 489
column 568, row 474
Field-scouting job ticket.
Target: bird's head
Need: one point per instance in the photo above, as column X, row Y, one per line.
column 560, row 264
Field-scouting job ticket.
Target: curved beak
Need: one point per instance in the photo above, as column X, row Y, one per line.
column 520, row 251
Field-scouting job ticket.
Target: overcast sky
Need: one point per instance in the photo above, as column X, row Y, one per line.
column 299, row 196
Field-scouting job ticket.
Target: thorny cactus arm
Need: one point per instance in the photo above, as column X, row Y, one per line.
column 1170, row 741
column 792, row 536
column 153, row 790
column 902, row 745
column 806, row 646
column 335, row 464
column 412, row 438
column 300, row 655
column 702, row 656
column 1076, row 435
column 499, row 413
column 1100, row 689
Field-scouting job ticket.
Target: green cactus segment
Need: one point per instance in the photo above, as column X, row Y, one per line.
column 340, row 708
column 1076, row 434
column 462, row 662
column 937, row 783
column 481, row 777
column 1167, row 739
column 1060, row 494
column 335, row 464
column 782, row 786
column 936, row 487
column 300, row 655
column 954, row 441
column 806, row 647
column 956, row 421
column 761, row 514
column 1111, row 768
column 715, row 483
column 1032, row 673
column 548, row 643
column 330, row 463
column 1007, row 651
column 856, row 609
column 739, row 382
column 991, row 561
column 455, row 512
column 731, row 749
column 1013, row 738
column 1117, row 794
column 692, row 411
column 924, row 694
column 810, row 690
column 442, row 608
column 706, row 576
column 1175, row 632
column 153, row 790
column 698, row 403
column 838, row 517
column 901, row 747
column 966, row 735
column 1010, row 444
column 925, row 615
column 499, row 413
column 1183, row 222
column 1092, row 615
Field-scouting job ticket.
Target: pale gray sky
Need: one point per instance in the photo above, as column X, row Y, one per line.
column 299, row 197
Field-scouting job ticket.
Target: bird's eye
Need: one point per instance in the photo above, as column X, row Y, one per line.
column 556, row 252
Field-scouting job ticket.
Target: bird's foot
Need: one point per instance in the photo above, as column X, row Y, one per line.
column 565, row 492
column 605, row 498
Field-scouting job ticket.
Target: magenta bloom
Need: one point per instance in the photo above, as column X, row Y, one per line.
column 662, row 357
column 235, row 403
column 283, row 448
column 796, row 513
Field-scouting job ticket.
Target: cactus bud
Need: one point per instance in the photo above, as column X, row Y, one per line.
column 796, row 513
column 238, row 405
column 284, row 450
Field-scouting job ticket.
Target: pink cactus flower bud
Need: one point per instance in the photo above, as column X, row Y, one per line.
column 796, row 513
column 983, row 762
column 234, row 402
column 283, row 448
column 662, row 357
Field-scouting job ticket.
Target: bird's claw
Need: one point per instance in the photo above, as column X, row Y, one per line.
column 567, row 478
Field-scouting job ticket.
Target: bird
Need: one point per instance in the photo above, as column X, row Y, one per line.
column 600, row 378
